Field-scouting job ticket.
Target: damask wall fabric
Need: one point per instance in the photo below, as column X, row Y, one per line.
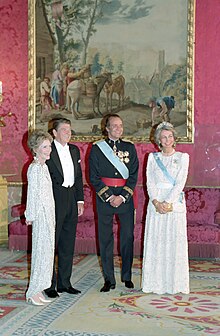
column 14, row 77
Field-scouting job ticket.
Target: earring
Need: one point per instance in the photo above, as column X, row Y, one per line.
column 174, row 144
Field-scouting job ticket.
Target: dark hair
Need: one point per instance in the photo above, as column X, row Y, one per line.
column 106, row 122
column 55, row 123
column 109, row 117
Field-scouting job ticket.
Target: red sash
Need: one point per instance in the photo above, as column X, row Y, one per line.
column 114, row 182
column 119, row 182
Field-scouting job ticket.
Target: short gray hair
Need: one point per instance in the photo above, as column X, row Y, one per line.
column 164, row 126
column 36, row 138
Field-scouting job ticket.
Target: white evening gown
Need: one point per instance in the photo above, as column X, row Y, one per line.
column 165, row 258
column 40, row 210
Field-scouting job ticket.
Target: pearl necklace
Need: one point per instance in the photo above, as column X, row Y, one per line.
column 168, row 154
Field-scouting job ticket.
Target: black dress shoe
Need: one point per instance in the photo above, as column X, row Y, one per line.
column 51, row 293
column 69, row 290
column 107, row 286
column 129, row 284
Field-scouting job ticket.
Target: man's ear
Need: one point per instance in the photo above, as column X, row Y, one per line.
column 54, row 133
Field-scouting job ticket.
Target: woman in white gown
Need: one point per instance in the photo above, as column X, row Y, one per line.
column 40, row 213
column 165, row 258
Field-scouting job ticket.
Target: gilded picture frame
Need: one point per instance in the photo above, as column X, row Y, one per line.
column 163, row 66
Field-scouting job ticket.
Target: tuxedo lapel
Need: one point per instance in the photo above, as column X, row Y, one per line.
column 74, row 157
column 55, row 157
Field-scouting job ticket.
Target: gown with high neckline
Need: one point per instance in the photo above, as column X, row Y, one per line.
column 165, row 258
column 40, row 210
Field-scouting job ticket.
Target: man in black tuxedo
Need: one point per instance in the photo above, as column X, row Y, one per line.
column 66, row 175
column 113, row 173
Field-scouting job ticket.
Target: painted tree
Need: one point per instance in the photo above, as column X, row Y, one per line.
column 73, row 22
column 109, row 64
column 62, row 18
column 96, row 67
column 93, row 11
column 120, row 67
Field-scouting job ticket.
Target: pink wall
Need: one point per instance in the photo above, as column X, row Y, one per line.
column 206, row 154
column 14, row 75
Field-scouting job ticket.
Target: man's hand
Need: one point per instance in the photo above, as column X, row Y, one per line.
column 116, row 201
column 80, row 208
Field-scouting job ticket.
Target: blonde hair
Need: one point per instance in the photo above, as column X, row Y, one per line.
column 36, row 138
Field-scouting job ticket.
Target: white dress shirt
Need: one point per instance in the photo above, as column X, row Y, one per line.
column 67, row 164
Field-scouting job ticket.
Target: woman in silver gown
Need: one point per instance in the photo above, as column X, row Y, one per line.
column 165, row 259
column 40, row 213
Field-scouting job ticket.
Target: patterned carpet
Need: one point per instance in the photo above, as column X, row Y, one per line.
column 121, row 312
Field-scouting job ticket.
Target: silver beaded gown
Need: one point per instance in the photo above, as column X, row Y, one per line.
column 165, row 258
column 40, row 209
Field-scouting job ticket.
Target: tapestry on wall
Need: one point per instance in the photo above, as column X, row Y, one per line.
column 124, row 57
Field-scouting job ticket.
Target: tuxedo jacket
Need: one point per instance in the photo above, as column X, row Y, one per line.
column 56, row 172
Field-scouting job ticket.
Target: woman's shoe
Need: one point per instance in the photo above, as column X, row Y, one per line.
column 43, row 299
column 35, row 303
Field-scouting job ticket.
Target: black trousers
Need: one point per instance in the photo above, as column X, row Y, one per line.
column 106, row 243
column 66, row 223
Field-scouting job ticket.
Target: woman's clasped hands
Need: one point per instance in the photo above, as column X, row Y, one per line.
column 162, row 207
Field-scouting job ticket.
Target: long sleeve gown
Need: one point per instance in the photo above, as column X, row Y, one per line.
column 165, row 258
column 40, row 210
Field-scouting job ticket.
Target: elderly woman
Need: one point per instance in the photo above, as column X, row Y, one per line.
column 165, row 259
column 40, row 213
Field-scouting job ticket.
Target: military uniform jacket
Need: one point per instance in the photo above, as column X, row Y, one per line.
column 100, row 166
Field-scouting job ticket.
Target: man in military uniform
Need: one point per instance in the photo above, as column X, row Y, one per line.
column 113, row 167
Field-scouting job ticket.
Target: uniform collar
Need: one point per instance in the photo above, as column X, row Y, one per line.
column 113, row 142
